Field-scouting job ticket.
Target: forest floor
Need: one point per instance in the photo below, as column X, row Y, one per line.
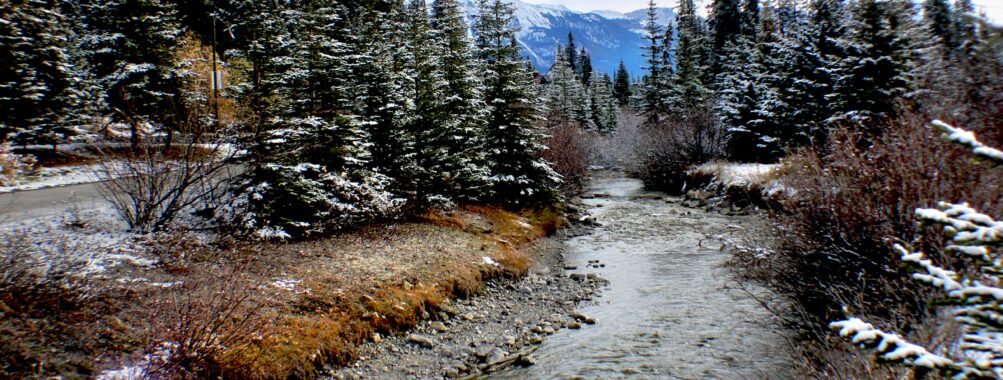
column 134, row 305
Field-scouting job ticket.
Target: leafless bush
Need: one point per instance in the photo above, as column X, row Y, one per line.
column 625, row 147
column 150, row 187
column 675, row 145
column 203, row 324
column 847, row 207
column 40, row 278
column 11, row 165
column 567, row 153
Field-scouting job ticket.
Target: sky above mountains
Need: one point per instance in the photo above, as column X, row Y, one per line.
column 993, row 8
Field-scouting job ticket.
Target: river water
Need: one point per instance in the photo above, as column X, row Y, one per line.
column 671, row 310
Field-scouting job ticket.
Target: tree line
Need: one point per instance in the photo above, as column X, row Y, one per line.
column 343, row 111
column 783, row 74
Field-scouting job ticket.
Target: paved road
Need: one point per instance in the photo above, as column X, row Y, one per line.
column 22, row 205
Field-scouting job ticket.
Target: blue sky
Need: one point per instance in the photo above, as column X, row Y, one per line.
column 993, row 8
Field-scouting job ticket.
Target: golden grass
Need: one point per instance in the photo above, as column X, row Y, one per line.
column 386, row 279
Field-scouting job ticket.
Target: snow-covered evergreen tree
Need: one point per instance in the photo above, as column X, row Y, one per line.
column 307, row 164
column 603, row 103
column 513, row 141
column 871, row 75
column 567, row 100
column 40, row 89
column 129, row 48
column 692, row 57
column 651, row 94
column 621, row 85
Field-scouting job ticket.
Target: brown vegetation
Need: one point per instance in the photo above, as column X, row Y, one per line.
column 835, row 231
column 273, row 310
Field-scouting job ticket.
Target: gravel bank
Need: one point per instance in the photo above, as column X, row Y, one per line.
column 482, row 334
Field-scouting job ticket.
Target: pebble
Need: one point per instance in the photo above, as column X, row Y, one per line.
column 421, row 340
column 438, row 326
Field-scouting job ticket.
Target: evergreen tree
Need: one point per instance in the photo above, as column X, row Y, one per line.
column 940, row 23
column 585, row 67
column 621, row 85
column 691, row 55
column 651, row 92
column 725, row 23
column 40, row 91
column 571, row 54
column 604, row 105
column 462, row 101
column 306, row 171
column 519, row 176
column 870, row 77
column 129, row 50
column 568, row 101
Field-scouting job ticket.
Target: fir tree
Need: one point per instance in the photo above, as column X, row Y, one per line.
column 621, row 85
column 940, row 23
column 691, row 55
column 725, row 24
column 870, row 77
column 519, row 176
column 585, row 67
column 651, row 94
column 39, row 94
column 571, row 54
column 306, row 171
column 568, row 101
column 130, row 52
column 604, row 105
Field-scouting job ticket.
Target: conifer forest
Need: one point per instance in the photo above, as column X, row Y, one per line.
column 518, row 189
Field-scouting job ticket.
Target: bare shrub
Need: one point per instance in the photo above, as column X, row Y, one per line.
column 623, row 148
column 12, row 165
column 150, row 187
column 567, row 153
column 835, row 231
column 203, row 324
column 677, row 144
column 40, row 278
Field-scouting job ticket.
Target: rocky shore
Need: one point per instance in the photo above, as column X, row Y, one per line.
column 482, row 334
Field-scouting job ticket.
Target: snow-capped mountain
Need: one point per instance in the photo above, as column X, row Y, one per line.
column 608, row 36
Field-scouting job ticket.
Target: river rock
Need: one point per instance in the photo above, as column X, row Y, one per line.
column 578, row 277
column 496, row 356
column 438, row 326
column 421, row 340
column 583, row 318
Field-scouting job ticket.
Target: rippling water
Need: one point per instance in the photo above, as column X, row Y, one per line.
column 667, row 312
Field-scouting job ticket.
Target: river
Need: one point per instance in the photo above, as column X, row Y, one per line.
column 671, row 310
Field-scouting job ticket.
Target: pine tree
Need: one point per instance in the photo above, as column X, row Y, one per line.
column 621, row 85
column 870, row 77
column 130, row 52
column 651, row 94
column 306, row 171
column 518, row 174
column 568, row 100
column 604, row 105
column 725, row 24
column 39, row 92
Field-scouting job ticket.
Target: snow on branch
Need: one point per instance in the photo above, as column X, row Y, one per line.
column 976, row 297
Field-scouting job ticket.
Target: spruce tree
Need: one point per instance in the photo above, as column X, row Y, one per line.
column 40, row 85
column 691, row 55
column 651, row 85
column 462, row 101
column 130, row 52
column 306, row 171
column 568, row 101
column 940, row 24
column 604, row 105
column 870, row 77
column 571, row 54
column 585, row 67
column 725, row 24
column 519, row 176
column 621, row 85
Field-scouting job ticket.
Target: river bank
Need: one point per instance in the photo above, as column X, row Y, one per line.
column 670, row 309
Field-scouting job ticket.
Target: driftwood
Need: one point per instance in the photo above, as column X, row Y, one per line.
column 522, row 357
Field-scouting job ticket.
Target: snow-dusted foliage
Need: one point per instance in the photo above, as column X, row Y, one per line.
column 974, row 293
column 512, row 140
column 13, row 165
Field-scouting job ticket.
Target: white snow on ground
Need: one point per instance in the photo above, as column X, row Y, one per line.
column 139, row 371
column 738, row 175
column 56, row 176
column 96, row 237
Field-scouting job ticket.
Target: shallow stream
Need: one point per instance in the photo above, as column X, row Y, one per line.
column 671, row 310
